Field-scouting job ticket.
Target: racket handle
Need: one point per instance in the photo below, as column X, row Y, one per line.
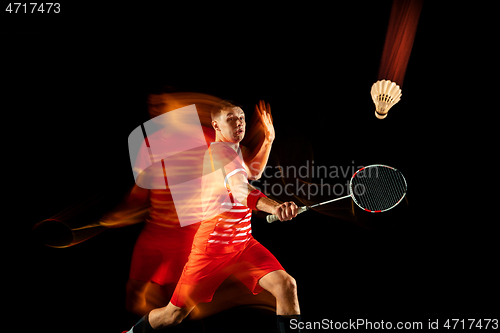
column 272, row 218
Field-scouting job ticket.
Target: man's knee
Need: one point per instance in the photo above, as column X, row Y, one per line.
column 169, row 315
column 177, row 318
column 289, row 284
column 280, row 283
column 177, row 315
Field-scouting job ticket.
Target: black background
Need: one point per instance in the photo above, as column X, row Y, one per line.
column 76, row 85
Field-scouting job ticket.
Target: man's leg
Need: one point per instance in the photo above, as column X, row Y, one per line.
column 161, row 318
column 135, row 301
column 167, row 316
column 284, row 288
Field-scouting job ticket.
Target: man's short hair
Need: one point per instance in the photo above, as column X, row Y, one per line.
column 223, row 105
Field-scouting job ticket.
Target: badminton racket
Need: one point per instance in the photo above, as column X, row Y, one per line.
column 374, row 188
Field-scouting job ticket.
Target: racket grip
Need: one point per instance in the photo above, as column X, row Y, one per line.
column 272, row 218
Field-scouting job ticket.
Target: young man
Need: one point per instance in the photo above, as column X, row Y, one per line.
column 163, row 246
column 223, row 244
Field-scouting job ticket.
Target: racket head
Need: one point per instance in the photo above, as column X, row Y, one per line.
column 377, row 188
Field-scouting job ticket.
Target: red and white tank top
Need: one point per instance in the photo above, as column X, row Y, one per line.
column 229, row 228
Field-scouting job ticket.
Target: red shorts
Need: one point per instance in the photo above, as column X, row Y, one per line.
column 160, row 253
column 204, row 272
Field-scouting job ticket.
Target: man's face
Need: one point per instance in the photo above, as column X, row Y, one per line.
column 231, row 124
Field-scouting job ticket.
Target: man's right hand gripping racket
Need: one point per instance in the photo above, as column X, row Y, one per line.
column 374, row 188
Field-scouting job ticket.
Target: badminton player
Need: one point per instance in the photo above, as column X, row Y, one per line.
column 163, row 246
column 223, row 245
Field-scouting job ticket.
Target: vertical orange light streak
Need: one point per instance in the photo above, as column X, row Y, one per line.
column 399, row 39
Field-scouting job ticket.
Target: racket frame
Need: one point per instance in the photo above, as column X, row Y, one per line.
column 371, row 166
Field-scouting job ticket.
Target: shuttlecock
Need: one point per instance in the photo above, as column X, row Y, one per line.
column 385, row 94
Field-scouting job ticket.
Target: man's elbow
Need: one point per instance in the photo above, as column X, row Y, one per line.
column 255, row 171
column 241, row 197
column 255, row 176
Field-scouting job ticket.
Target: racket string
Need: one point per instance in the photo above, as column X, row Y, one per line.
column 373, row 200
column 392, row 188
column 389, row 184
column 381, row 188
column 383, row 194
